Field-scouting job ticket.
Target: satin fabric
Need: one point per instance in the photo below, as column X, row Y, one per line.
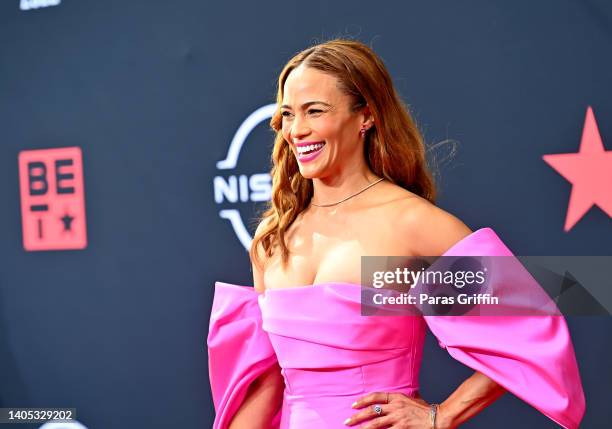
column 330, row 355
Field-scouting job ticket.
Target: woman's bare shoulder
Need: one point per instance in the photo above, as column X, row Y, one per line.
column 429, row 230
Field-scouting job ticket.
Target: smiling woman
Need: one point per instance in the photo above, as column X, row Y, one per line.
column 349, row 179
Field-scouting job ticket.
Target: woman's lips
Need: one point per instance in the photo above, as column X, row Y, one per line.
column 302, row 157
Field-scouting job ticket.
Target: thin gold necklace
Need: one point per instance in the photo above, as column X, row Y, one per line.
column 350, row 196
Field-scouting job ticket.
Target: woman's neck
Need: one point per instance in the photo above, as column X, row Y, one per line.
column 334, row 188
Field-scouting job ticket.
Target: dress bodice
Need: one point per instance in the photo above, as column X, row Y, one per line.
column 325, row 321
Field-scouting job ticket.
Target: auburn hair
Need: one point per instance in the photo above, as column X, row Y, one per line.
column 394, row 148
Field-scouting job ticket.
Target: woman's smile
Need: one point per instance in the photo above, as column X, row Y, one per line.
column 307, row 151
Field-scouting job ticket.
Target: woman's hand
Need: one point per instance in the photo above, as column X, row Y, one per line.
column 401, row 411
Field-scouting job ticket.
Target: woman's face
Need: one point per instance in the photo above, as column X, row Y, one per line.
column 318, row 123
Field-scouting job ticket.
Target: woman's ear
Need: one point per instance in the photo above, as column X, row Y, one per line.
column 367, row 121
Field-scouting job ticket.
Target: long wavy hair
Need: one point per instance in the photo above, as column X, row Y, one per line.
column 394, row 147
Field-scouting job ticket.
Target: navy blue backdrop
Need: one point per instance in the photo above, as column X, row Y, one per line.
column 153, row 93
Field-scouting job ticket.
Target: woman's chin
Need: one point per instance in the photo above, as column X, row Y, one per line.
column 307, row 175
column 310, row 173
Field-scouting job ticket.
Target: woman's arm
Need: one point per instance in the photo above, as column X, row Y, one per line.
column 265, row 395
column 473, row 395
column 554, row 386
column 433, row 231
column 262, row 401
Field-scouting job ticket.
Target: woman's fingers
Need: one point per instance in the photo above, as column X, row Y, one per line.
column 381, row 422
column 400, row 409
column 367, row 413
column 372, row 398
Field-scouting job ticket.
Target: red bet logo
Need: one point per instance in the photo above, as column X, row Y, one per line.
column 52, row 199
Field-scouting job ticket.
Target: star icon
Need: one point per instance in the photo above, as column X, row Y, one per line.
column 67, row 220
column 589, row 171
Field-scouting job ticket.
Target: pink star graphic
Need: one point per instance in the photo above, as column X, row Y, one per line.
column 589, row 171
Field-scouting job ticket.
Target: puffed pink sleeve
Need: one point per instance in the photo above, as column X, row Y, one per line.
column 530, row 356
column 239, row 350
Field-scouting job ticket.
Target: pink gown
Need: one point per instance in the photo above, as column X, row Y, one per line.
column 330, row 355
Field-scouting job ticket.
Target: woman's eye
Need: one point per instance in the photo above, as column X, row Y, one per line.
column 287, row 114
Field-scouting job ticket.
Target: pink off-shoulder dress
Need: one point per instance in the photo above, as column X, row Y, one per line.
column 330, row 355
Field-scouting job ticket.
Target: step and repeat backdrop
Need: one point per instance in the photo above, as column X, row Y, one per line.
column 134, row 159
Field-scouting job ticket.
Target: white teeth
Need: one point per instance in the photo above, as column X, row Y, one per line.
column 316, row 146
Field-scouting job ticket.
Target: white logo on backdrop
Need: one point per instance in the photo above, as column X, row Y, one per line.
column 36, row 4
column 62, row 425
column 243, row 188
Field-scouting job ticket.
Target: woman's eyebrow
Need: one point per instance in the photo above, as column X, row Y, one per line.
column 307, row 104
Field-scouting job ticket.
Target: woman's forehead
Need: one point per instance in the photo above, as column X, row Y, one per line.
column 308, row 83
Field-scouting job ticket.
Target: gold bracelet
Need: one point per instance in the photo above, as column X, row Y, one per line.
column 433, row 411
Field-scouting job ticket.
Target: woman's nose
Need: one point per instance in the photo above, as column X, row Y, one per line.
column 299, row 129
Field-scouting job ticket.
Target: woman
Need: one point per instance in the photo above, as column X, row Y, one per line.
column 350, row 179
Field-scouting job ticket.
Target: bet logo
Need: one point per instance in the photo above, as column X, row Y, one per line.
column 52, row 199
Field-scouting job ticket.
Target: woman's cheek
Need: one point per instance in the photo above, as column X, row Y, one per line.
column 285, row 135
